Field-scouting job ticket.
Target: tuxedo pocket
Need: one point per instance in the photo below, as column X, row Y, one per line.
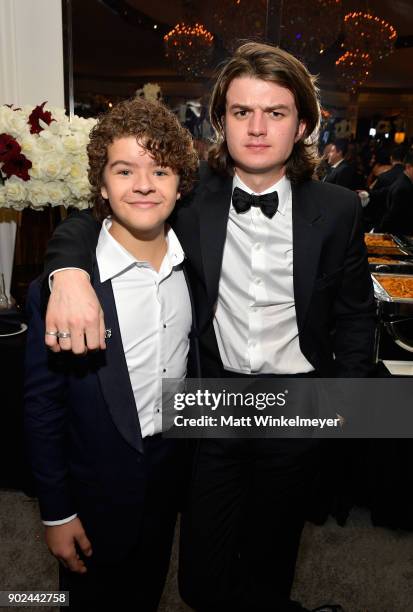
column 329, row 280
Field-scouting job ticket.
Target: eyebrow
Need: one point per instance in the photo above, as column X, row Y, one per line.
column 121, row 162
column 266, row 109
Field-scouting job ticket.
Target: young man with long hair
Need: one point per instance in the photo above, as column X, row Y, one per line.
column 281, row 287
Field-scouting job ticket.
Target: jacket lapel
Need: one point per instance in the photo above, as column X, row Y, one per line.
column 113, row 375
column 307, row 241
column 214, row 212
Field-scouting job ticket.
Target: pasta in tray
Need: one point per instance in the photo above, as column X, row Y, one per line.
column 396, row 286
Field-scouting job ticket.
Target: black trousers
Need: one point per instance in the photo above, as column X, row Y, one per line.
column 136, row 581
column 241, row 531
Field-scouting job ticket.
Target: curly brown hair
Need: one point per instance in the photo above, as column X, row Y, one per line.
column 158, row 131
column 269, row 63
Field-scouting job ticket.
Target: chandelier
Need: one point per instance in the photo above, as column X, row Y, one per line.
column 310, row 26
column 189, row 49
column 369, row 34
column 235, row 20
column 352, row 69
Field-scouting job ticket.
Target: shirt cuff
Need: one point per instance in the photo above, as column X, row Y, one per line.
column 62, row 270
column 60, row 522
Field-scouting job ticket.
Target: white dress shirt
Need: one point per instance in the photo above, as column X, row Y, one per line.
column 154, row 314
column 255, row 321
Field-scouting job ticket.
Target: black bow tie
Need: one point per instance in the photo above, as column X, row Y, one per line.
column 242, row 201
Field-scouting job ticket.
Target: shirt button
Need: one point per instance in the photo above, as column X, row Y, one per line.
column 164, row 325
column 257, row 246
column 164, row 370
column 258, row 281
column 251, row 343
column 254, row 309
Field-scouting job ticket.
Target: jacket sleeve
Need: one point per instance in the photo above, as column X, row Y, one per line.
column 46, row 418
column 354, row 307
column 73, row 244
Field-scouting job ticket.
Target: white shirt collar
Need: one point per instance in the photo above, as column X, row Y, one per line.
column 338, row 163
column 113, row 258
column 283, row 188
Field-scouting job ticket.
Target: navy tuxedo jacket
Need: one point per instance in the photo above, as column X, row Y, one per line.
column 83, row 433
column 332, row 286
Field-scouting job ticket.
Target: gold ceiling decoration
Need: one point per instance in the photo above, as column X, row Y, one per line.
column 189, row 48
column 236, row 20
column 309, row 27
column 353, row 69
column 369, row 34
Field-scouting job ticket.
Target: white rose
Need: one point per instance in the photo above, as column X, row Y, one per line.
column 78, row 171
column 15, row 190
column 75, row 143
column 29, row 145
column 58, row 192
column 13, row 122
column 80, row 189
column 47, row 143
column 50, row 166
column 80, row 124
column 37, row 193
column 54, row 167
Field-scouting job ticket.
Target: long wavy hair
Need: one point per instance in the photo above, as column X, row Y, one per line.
column 273, row 64
column 158, row 131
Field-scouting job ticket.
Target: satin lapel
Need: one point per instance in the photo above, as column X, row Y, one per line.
column 307, row 241
column 214, row 212
column 113, row 376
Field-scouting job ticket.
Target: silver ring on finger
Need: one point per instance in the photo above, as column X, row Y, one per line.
column 63, row 334
column 51, row 333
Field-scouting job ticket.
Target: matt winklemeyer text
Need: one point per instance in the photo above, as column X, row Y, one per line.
column 254, row 421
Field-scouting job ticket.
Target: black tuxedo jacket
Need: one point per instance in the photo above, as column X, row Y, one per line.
column 376, row 208
column 332, row 285
column 344, row 174
column 84, row 438
column 398, row 218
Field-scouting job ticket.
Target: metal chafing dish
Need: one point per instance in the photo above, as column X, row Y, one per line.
column 387, row 265
column 394, row 296
column 387, row 245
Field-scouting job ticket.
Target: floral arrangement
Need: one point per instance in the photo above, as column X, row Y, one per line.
column 43, row 158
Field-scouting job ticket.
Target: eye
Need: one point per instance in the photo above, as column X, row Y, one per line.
column 241, row 113
column 124, row 172
column 161, row 172
column 276, row 114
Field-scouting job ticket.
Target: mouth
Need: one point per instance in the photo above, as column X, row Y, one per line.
column 143, row 204
column 257, row 147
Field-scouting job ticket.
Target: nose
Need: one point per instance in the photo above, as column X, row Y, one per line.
column 257, row 125
column 143, row 183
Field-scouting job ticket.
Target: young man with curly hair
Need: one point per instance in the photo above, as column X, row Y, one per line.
column 277, row 263
column 109, row 486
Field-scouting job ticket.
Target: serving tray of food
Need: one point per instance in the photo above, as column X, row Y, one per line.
column 393, row 287
column 386, row 245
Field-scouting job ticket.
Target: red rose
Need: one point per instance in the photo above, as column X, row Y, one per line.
column 37, row 114
column 19, row 166
column 9, row 148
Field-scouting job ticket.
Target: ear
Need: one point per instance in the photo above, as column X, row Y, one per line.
column 104, row 193
column 302, row 126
